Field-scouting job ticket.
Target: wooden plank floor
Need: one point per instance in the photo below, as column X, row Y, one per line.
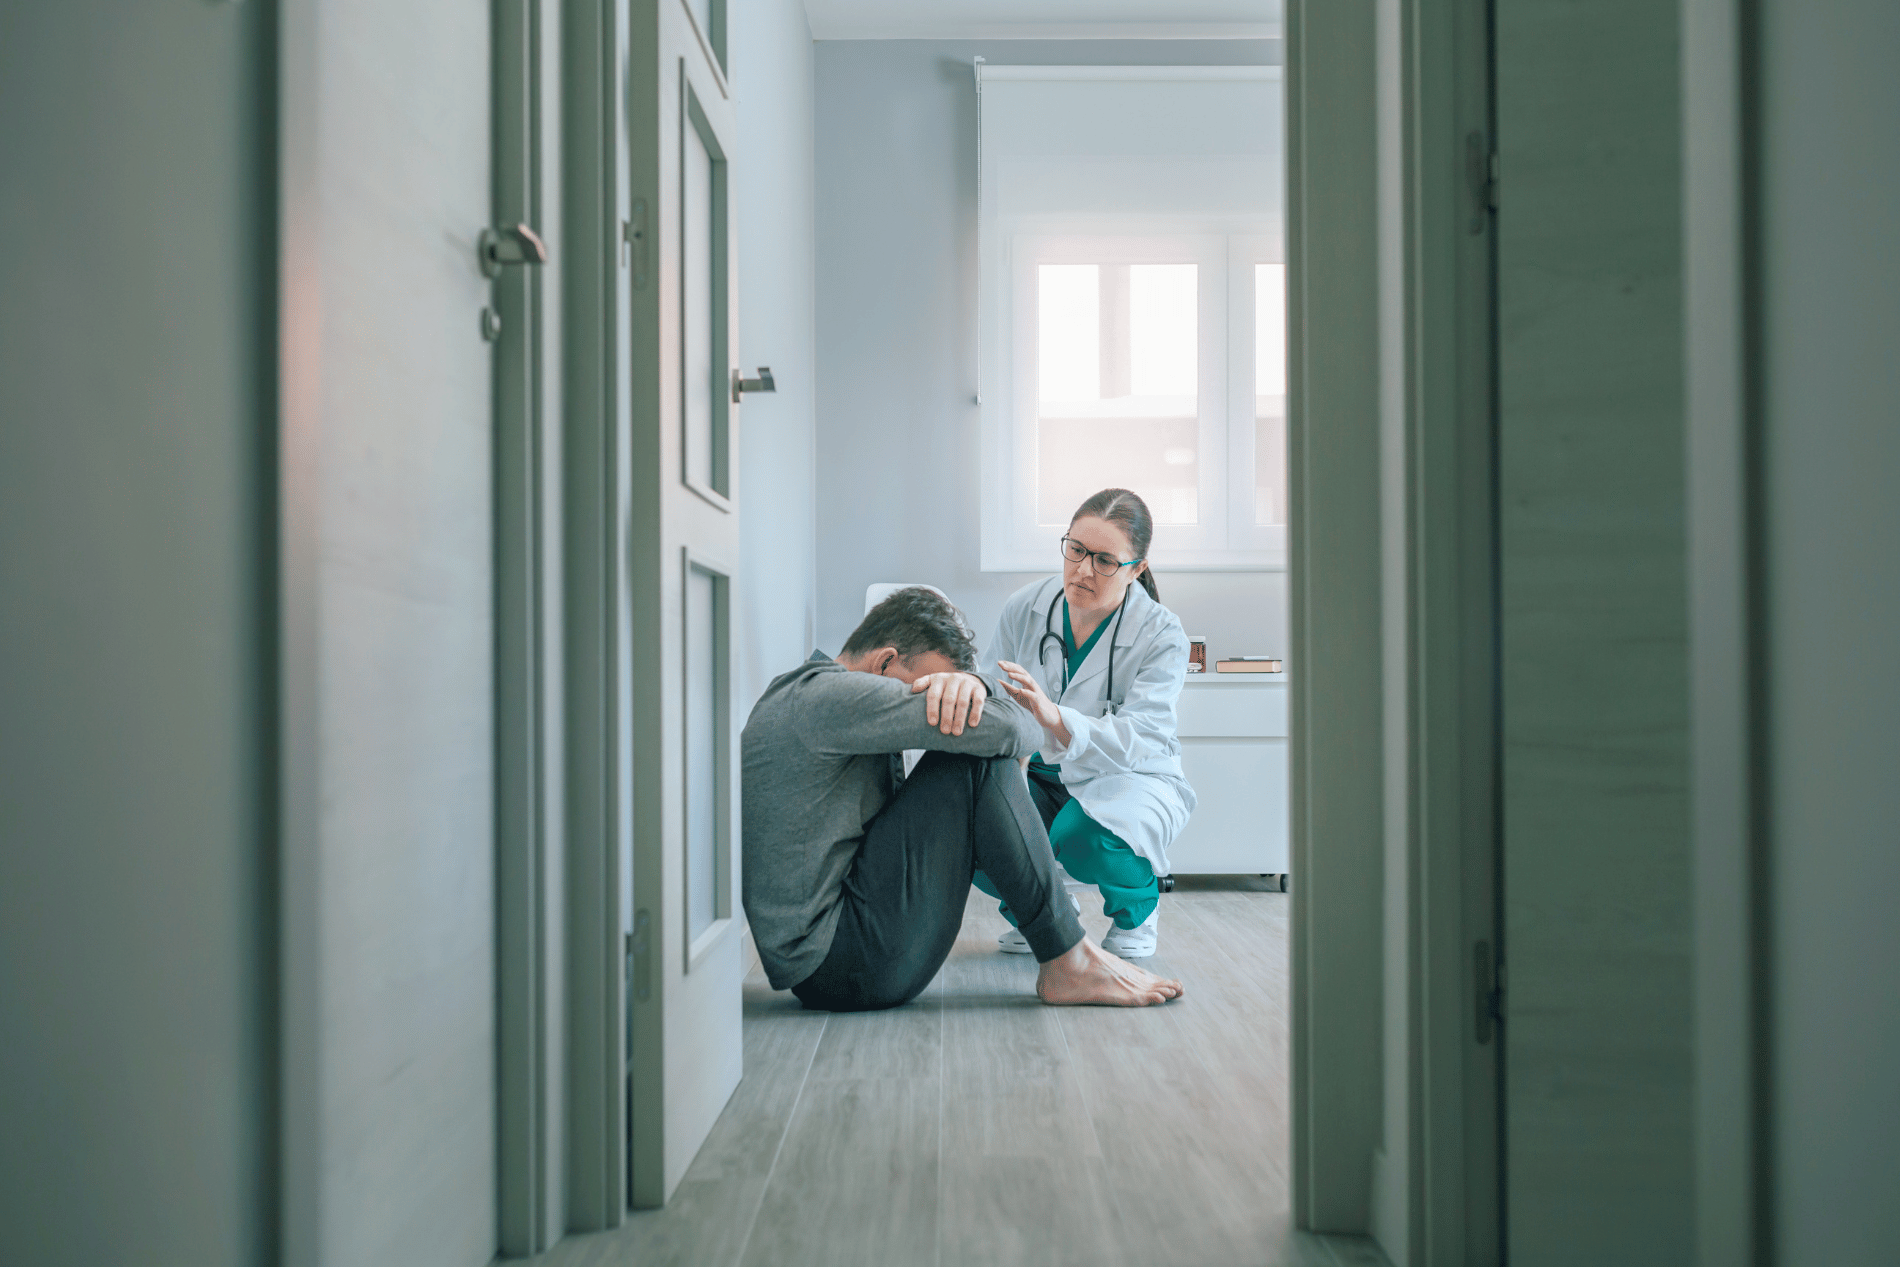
column 978, row 1128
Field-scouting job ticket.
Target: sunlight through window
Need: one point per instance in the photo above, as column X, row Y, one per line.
column 1069, row 332
column 1118, row 362
column 1269, row 367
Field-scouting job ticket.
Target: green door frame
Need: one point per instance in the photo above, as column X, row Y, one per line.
column 1392, row 546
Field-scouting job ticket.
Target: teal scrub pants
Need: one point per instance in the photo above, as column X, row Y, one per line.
column 1092, row 854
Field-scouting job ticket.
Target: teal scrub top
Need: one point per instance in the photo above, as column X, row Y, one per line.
column 1076, row 656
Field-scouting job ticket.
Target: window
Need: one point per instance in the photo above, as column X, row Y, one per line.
column 1133, row 313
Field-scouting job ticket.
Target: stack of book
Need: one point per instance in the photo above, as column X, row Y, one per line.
column 1247, row 664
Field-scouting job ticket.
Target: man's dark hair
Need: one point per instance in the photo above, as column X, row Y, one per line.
column 914, row 621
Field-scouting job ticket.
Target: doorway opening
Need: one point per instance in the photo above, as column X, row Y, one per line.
column 1272, row 534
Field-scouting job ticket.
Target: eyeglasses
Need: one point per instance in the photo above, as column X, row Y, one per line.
column 1105, row 564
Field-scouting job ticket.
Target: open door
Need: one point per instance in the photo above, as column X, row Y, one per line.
column 683, row 987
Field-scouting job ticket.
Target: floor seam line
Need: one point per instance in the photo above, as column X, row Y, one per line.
column 791, row 1115
column 1088, row 1111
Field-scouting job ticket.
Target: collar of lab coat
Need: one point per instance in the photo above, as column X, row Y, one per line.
column 1134, row 621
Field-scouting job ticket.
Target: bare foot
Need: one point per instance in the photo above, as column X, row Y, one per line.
column 1088, row 974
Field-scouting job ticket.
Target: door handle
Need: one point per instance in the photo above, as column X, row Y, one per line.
column 763, row 383
column 515, row 244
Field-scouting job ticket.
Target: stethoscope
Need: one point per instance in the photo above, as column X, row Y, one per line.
column 1050, row 631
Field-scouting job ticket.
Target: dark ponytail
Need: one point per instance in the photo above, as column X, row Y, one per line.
column 1128, row 512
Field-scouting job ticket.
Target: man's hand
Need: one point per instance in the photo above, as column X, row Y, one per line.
column 952, row 701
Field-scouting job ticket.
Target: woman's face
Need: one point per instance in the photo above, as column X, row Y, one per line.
column 1085, row 590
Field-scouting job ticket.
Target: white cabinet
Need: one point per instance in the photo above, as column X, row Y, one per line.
column 1233, row 730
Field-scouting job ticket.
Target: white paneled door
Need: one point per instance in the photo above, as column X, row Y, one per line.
column 683, row 922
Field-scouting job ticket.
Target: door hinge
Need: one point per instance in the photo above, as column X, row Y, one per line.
column 1481, row 176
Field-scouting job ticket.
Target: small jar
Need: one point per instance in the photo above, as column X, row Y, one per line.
column 1197, row 654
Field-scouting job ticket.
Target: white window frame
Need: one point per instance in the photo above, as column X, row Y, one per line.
column 1225, row 539
column 1267, row 542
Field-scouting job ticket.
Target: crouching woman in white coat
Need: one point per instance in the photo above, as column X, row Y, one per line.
column 1100, row 662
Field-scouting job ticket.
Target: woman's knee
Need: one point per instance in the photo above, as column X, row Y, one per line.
column 1092, row 853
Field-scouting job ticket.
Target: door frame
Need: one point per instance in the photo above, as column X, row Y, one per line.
column 1384, row 912
column 528, row 622
column 1729, row 656
column 599, row 257
column 1392, row 549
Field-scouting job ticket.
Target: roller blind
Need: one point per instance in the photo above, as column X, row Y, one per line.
column 1199, row 143
column 1129, row 229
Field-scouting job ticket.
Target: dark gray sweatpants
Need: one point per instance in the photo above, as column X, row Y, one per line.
column 904, row 895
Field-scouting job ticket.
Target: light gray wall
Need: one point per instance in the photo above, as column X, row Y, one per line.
column 136, row 345
column 772, row 77
column 1594, row 656
column 1829, row 148
column 897, row 433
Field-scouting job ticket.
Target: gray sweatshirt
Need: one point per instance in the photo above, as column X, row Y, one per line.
column 820, row 760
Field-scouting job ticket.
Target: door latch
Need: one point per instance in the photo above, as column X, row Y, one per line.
column 633, row 243
column 763, row 383
column 516, row 244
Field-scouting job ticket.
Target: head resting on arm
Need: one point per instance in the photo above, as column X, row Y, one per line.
column 913, row 632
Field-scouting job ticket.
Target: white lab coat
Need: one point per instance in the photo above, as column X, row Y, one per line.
column 1125, row 766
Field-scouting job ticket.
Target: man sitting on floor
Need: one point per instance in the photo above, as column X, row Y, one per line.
column 855, row 877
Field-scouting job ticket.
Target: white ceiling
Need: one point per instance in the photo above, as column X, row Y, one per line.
column 1041, row 19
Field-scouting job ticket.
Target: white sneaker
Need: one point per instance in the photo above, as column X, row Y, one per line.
column 1134, row 943
column 1014, row 943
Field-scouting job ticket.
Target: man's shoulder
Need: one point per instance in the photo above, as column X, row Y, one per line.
column 815, row 684
column 820, row 666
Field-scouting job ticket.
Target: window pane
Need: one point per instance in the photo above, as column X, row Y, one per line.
column 1163, row 358
column 1269, row 329
column 1119, row 362
column 698, row 312
column 1269, row 362
column 702, row 753
column 1269, row 499
column 1156, row 457
column 1068, row 332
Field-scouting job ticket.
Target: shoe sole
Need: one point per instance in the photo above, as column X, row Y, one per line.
column 1144, row 953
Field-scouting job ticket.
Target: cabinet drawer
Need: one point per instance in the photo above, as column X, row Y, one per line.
column 1239, row 711
column 1239, row 826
